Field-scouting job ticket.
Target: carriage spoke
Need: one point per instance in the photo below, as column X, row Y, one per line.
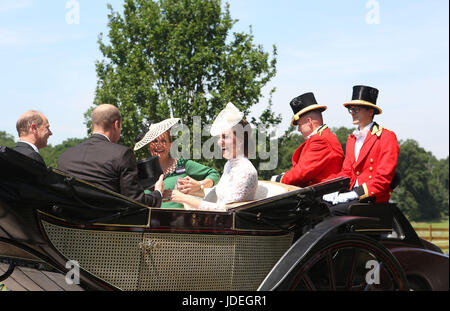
column 331, row 275
column 308, row 283
column 352, row 270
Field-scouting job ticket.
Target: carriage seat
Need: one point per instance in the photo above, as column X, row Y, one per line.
column 267, row 189
column 382, row 213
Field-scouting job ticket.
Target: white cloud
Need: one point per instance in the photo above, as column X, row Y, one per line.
column 27, row 37
column 9, row 5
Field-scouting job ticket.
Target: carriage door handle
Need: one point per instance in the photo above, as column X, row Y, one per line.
column 149, row 244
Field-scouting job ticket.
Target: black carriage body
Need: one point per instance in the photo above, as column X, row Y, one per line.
column 48, row 218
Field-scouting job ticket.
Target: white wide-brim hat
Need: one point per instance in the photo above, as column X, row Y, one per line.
column 154, row 131
column 227, row 118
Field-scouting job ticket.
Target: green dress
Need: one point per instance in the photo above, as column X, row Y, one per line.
column 189, row 168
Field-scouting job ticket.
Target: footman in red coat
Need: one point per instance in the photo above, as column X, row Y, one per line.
column 371, row 153
column 320, row 157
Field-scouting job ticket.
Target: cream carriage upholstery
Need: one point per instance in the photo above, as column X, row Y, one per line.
column 266, row 189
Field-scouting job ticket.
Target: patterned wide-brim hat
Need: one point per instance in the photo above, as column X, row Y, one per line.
column 154, row 131
column 226, row 119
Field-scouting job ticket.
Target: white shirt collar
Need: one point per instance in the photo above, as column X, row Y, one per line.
column 360, row 138
column 102, row 135
column 32, row 146
column 315, row 131
column 362, row 133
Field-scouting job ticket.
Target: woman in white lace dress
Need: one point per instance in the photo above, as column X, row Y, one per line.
column 240, row 178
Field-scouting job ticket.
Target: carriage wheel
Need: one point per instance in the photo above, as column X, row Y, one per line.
column 349, row 262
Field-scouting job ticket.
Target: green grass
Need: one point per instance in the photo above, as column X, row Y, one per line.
column 440, row 239
column 442, row 223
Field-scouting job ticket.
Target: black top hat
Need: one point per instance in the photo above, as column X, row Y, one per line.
column 364, row 96
column 302, row 104
column 149, row 171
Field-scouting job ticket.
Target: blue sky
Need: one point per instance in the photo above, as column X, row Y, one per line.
column 323, row 46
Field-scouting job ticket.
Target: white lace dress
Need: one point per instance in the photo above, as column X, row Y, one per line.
column 238, row 183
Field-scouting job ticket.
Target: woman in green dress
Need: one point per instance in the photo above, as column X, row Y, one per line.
column 185, row 175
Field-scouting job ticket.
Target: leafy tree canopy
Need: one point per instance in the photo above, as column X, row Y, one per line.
column 423, row 191
column 178, row 58
column 50, row 154
column 7, row 140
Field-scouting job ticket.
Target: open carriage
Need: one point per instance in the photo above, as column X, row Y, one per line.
column 283, row 240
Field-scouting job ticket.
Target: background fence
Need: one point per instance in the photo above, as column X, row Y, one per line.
column 438, row 236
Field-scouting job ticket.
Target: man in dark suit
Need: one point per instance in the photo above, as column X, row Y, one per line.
column 101, row 161
column 33, row 130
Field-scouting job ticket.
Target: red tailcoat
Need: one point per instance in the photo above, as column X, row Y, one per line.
column 318, row 159
column 376, row 163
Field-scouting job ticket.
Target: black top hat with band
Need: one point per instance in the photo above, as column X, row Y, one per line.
column 364, row 96
column 149, row 171
column 303, row 104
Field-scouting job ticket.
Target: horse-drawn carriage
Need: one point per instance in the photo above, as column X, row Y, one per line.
column 285, row 239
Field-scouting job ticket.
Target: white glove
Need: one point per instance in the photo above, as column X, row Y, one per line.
column 345, row 197
column 274, row 177
column 330, row 197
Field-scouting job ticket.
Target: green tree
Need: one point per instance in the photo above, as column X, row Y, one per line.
column 342, row 134
column 406, row 202
column 50, row 154
column 176, row 57
column 415, row 166
column 439, row 183
column 7, row 140
column 287, row 144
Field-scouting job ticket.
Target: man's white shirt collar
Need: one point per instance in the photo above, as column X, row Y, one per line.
column 360, row 137
column 315, row 131
column 102, row 135
column 32, row 146
column 362, row 133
